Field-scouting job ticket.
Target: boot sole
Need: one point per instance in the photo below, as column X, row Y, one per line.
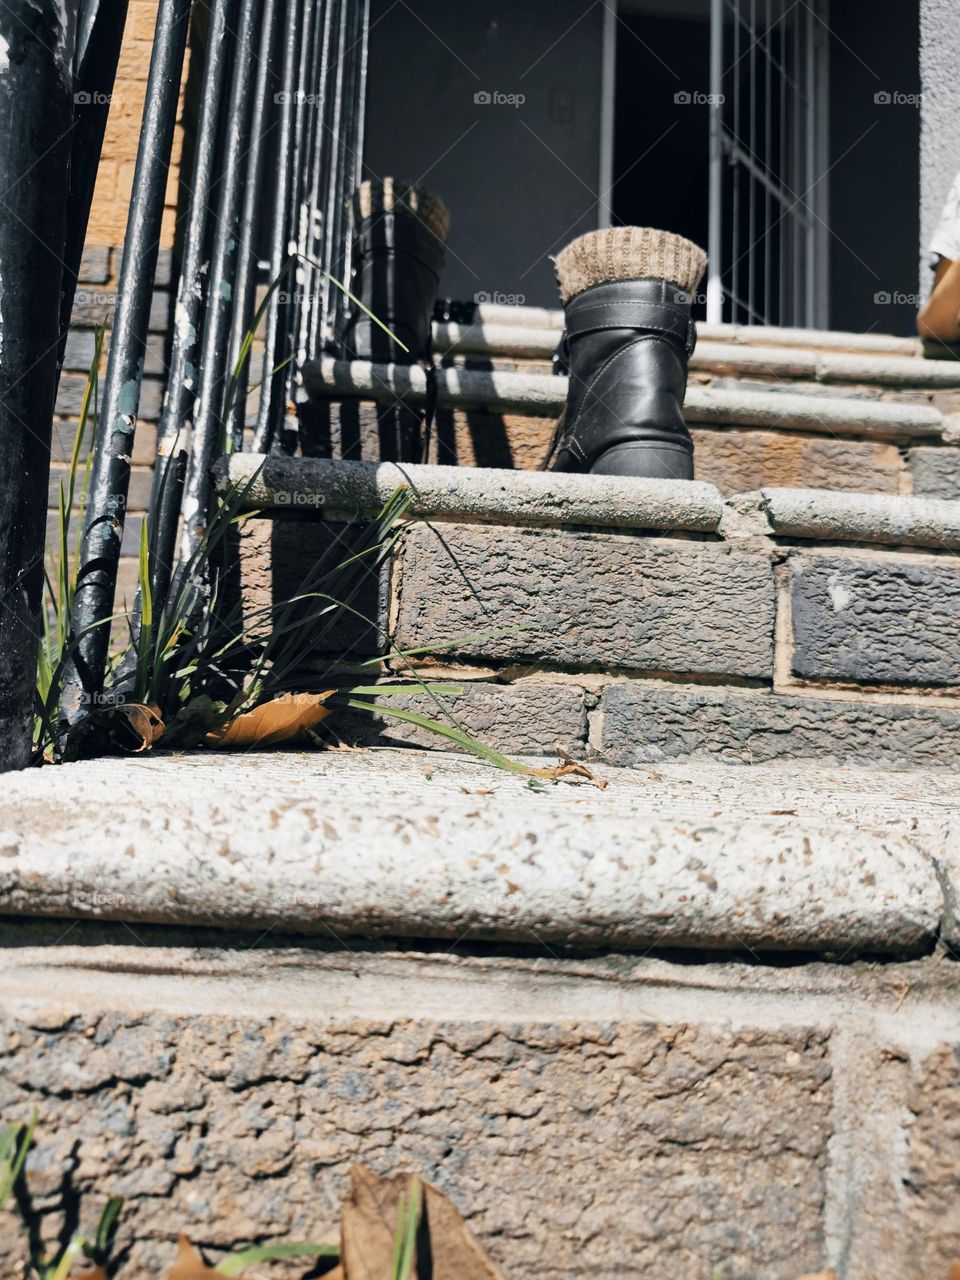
column 650, row 461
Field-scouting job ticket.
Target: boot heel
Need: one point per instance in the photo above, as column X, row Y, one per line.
column 651, row 460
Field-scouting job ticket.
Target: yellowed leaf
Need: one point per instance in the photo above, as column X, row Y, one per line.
column 190, row 1266
column 819, row 1275
column 368, row 1231
column 283, row 719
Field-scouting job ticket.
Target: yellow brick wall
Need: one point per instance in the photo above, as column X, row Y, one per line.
column 108, row 216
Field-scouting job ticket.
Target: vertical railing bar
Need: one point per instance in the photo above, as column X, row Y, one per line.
column 781, row 163
column 305, row 109
column 208, row 421
column 245, row 282
column 735, row 172
column 751, row 180
column 768, row 163
column 354, row 171
column 110, row 471
column 321, row 149
column 798, row 317
column 273, row 381
column 715, row 190
column 100, row 27
column 810, row 276
column 182, row 373
column 332, row 199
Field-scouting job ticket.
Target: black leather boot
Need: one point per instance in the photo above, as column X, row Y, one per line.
column 397, row 257
column 628, row 336
column 396, row 263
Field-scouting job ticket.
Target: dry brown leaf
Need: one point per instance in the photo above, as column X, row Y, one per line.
column 282, row 719
column 819, row 1275
column 190, row 1266
column 368, row 1231
column 144, row 722
column 954, row 1272
column 567, row 768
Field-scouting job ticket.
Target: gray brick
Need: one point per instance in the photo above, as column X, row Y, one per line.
column 73, row 385
column 95, row 265
column 138, row 494
column 644, row 723
column 529, row 717
column 895, row 621
column 81, row 344
column 96, row 306
column 64, row 431
column 936, row 472
column 131, row 533
column 588, row 599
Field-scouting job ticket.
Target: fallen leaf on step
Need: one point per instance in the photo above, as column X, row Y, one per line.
column 134, row 726
column 283, row 719
column 369, row 1226
column 567, row 768
column 819, row 1275
column 954, row 1272
column 190, row 1266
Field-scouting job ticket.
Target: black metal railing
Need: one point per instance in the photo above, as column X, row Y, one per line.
column 276, row 153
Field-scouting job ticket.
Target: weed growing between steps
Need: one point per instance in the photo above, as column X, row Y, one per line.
column 201, row 670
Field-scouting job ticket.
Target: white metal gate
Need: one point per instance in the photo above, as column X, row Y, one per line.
column 768, row 119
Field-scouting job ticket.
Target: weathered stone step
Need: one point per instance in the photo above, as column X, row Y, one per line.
column 647, row 862
column 768, row 360
column 491, row 316
column 543, row 395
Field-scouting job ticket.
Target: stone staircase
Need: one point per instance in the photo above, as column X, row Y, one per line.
column 696, row 1020
column 739, row 617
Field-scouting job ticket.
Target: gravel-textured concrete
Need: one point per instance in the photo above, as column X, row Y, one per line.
column 463, row 493
column 863, row 517
column 436, row 847
column 889, row 621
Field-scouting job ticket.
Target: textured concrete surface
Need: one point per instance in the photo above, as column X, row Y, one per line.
column 718, row 1108
column 452, row 847
column 621, row 1150
column 508, row 497
column 582, row 599
column 646, row 724
column 863, row 517
column 935, row 472
column 890, row 621
column 742, row 461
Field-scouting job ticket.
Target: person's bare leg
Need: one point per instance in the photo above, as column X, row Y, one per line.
column 939, row 317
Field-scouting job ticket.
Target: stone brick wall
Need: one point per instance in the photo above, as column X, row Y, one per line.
column 726, row 1121
column 641, row 647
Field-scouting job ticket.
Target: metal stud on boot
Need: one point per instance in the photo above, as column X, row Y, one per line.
column 627, row 338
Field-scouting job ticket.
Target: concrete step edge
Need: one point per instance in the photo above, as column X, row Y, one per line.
column 452, row 848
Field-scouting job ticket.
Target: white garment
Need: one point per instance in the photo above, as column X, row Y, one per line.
column 946, row 238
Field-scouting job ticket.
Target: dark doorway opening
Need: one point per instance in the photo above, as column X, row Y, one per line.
column 661, row 117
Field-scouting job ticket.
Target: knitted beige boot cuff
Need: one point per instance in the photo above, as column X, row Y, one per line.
column 391, row 194
column 628, row 253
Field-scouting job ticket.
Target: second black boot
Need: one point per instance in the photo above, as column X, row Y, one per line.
column 628, row 335
column 397, row 257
